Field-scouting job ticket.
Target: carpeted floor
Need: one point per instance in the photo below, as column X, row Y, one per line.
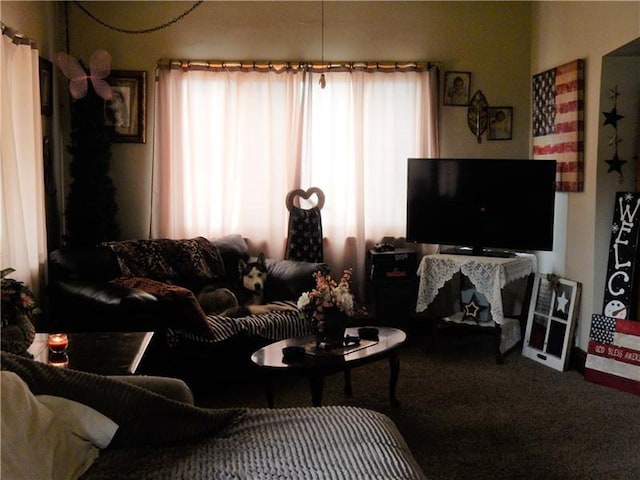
column 465, row 417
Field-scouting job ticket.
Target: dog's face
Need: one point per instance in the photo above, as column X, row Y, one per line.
column 254, row 275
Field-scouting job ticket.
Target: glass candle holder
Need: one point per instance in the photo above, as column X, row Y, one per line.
column 58, row 359
column 58, row 342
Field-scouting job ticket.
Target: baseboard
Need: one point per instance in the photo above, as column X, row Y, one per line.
column 578, row 359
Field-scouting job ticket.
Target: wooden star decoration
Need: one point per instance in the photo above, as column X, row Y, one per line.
column 613, row 92
column 562, row 302
column 614, row 140
column 473, row 309
column 612, row 117
column 615, row 164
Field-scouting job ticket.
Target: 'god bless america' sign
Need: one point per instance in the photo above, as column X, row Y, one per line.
column 621, row 288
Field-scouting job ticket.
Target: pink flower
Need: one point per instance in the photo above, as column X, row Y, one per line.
column 326, row 295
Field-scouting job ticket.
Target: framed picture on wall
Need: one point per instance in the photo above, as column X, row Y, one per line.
column 500, row 123
column 125, row 112
column 457, row 88
column 45, row 68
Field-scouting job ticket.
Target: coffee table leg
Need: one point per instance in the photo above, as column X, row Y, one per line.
column 348, row 390
column 316, row 383
column 394, row 367
column 268, row 389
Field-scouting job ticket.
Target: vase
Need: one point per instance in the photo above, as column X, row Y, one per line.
column 18, row 337
column 330, row 333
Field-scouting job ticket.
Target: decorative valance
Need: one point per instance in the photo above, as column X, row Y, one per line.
column 282, row 66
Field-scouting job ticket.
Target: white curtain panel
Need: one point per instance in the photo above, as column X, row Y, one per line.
column 230, row 145
column 23, row 238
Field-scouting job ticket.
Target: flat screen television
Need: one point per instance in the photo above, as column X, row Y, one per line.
column 481, row 206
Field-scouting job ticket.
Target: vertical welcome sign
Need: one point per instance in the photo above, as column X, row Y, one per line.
column 613, row 356
column 621, row 286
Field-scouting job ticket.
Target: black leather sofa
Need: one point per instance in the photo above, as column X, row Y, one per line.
column 86, row 294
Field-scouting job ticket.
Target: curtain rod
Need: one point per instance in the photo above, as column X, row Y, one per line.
column 17, row 37
column 280, row 66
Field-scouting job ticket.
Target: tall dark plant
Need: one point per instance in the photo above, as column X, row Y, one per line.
column 91, row 206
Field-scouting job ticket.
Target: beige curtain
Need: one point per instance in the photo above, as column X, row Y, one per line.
column 232, row 143
column 21, row 165
column 362, row 128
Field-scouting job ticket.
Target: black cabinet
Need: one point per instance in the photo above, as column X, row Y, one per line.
column 392, row 286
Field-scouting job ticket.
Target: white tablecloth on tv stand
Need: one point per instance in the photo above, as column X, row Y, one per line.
column 489, row 276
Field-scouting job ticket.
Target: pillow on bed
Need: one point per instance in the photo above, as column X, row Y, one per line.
column 36, row 443
column 86, row 422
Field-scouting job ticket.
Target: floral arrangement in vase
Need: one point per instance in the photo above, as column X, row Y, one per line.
column 19, row 308
column 329, row 306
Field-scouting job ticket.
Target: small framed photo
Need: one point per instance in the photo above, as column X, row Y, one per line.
column 45, row 68
column 125, row 112
column 500, row 123
column 457, row 88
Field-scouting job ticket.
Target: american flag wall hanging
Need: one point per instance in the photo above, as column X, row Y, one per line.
column 558, row 122
column 613, row 356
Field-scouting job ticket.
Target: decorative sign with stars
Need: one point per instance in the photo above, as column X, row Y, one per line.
column 611, row 118
column 621, row 286
column 551, row 321
column 613, row 356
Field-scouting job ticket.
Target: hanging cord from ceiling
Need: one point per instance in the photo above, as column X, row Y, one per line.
column 143, row 30
column 323, row 81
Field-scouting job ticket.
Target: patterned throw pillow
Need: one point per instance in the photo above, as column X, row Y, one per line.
column 196, row 257
column 141, row 258
column 163, row 259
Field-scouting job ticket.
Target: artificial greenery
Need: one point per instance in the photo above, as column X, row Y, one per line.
column 91, row 206
column 17, row 299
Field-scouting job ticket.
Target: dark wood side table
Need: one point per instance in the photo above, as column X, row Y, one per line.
column 108, row 353
column 316, row 367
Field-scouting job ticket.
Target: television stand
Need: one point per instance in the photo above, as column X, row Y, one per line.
column 489, row 276
column 479, row 252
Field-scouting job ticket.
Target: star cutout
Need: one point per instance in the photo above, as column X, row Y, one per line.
column 612, row 117
column 473, row 309
column 615, row 164
column 613, row 92
column 562, row 302
column 614, row 140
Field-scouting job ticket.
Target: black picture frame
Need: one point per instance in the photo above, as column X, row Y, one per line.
column 126, row 111
column 45, row 71
column 457, row 89
column 500, row 125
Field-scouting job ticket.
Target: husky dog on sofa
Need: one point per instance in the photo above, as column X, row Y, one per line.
column 248, row 300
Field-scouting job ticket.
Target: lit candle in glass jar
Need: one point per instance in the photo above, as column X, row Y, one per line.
column 58, row 342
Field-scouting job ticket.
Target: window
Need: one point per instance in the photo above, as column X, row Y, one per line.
column 231, row 144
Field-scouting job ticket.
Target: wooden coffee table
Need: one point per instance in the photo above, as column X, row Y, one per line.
column 316, row 367
column 108, row 353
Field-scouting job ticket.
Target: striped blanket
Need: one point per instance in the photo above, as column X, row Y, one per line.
column 160, row 438
column 273, row 326
column 293, row 443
